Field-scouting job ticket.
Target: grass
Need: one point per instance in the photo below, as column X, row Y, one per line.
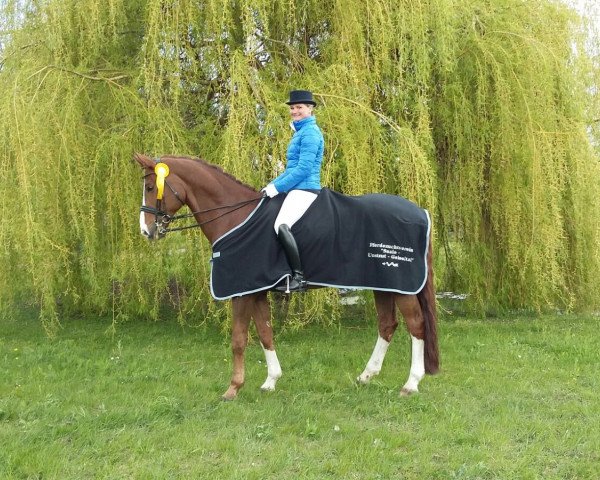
column 517, row 399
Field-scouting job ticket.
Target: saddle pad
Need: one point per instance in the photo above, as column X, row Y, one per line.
column 376, row 242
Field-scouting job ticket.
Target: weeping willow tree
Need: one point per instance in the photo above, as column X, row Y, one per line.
column 516, row 168
column 477, row 110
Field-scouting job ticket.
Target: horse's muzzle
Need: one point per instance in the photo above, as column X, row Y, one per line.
column 157, row 229
column 154, row 232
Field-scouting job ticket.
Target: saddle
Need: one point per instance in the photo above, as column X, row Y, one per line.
column 375, row 242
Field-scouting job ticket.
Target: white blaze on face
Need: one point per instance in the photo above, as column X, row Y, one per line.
column 143, row 227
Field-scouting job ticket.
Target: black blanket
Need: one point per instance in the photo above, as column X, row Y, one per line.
column 376, row 242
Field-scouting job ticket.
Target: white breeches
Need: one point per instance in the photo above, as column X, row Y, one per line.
column 294, row 206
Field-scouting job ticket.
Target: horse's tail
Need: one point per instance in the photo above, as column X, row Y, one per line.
column 426, row 299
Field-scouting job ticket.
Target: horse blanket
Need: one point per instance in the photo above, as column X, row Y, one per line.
column 375, row 242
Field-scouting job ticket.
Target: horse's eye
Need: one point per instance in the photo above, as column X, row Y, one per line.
column 149, row 188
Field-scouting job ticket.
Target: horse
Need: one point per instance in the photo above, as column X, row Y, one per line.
column 218, row 203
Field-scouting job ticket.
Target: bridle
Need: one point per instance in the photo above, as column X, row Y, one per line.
column 162, row 219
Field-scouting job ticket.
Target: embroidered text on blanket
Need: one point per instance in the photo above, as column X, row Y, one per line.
column 389, row 252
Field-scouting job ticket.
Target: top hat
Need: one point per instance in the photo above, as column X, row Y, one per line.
column 301, row 96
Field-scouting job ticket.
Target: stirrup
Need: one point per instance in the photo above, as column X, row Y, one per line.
column 293, row 285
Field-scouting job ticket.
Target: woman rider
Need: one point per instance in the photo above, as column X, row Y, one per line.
column 301, row 179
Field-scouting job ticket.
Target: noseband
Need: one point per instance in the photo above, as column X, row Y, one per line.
column 162, row 219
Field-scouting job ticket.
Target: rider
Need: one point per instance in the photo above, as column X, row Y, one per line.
column 301, row 179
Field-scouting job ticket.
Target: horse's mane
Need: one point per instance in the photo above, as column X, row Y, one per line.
column 215, row 167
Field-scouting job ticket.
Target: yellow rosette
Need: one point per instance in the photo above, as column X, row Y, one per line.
column 162, row 171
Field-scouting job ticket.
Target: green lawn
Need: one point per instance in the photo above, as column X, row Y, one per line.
column 517, row 399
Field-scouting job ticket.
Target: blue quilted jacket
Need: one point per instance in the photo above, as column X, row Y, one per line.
column 304, row 157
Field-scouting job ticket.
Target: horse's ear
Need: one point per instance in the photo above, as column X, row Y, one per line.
column 143, row 160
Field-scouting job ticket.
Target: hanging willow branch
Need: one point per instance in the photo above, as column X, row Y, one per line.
column 111, row 80
column 475, row 110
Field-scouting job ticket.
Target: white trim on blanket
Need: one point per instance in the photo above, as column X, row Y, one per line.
column 249, row 292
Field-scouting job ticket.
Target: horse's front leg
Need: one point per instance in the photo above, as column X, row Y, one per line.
column 241, row 307
column 262, row 320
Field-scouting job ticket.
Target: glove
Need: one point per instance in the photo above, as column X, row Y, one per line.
column 270, row 190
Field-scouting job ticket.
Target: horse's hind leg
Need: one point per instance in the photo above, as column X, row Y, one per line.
column 262, row 319
column 386, row 318
column 413, row 316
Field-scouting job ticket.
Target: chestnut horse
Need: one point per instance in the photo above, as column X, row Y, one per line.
column 219, row 203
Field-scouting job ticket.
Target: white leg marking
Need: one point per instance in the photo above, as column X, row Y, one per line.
column 273, row 370
column 417, row 367
column 374, row 365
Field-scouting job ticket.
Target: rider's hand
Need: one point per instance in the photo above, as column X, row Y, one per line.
column 270, row 190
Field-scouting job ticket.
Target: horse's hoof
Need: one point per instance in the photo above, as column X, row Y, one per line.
column 229, row 395
column 365, row 378
column 269, row 385
column 405, row 392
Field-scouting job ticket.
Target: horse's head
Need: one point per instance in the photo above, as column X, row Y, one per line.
column 160, row 200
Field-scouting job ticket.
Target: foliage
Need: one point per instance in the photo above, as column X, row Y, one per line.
column 479, row 111
column 144, row 403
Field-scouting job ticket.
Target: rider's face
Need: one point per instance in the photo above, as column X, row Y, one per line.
column 300, row 111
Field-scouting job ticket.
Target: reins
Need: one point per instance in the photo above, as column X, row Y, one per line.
column 234, row 207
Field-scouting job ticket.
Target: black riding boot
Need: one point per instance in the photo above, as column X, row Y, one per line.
column 297, row 283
